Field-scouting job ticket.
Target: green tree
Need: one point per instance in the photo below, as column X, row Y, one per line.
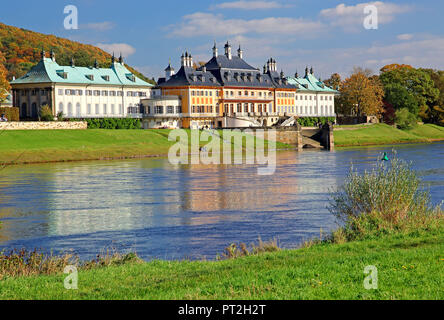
column 405, row 119
column 417, row 85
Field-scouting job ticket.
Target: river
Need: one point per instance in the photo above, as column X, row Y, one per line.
column 164, row 211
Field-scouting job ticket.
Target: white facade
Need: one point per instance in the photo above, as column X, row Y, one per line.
column 99, row 101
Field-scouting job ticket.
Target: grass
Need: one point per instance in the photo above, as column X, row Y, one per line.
column 18, row 147
column 384, row 134
column 409, row 267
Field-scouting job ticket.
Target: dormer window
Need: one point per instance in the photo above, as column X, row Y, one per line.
column 131, row 77
column 90, row 77
column 106, row 78
column 62, row 74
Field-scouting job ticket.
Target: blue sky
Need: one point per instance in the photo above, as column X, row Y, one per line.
column 328, row 35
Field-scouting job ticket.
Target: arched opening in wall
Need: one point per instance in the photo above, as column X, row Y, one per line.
column 78, row 110
column 34, row 111
column 61, row 108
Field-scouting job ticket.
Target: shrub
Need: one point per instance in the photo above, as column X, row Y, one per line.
column 60, row 116
column 404, row 119
column 11, row 113
column 46, row 113
column 113, row 123
column 385, row 200
column 313, row 121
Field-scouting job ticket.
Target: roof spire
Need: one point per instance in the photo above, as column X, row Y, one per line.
column 52, row 55
column 73, row 64
column 306, row 71
column 215, row 49
column 296, row 75
column 311, row 70
column 43, row 54
column 121, row 58
column 240, row 52
column 113, row 58
column 96, row 65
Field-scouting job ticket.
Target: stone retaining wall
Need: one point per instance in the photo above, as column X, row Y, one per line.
column 54, row 125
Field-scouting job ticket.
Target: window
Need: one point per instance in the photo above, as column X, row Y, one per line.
column 192, row 93
column 67, row 92
column 119, row 93
column 129, row 94
column 97, row 93
column 105, row 109
column 88, row 92
column 120, row 108
column 158, row 109
column 88, row 108
column 61, row 106
column 78, row 109
column 246, row 93
column 113, row 108
column 239, row 107
column 112, row 93
column 97, row 108
column 178, row 109
column 104, row 93
column 170, row 109
column 60, row 92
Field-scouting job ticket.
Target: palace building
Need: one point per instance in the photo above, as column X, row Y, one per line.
column 224, row 92
column 79, row 92
column 227, row 92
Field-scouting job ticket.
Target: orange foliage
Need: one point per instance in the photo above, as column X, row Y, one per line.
column 394, row 66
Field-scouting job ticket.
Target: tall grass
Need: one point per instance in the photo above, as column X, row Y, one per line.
column 22, row 262
column 384, row 200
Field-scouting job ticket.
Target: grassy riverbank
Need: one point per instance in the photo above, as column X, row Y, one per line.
column 409, row 267
column 34, row 146
column 384, row 134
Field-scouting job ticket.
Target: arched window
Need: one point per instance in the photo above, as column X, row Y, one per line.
column 23, row 110
column 70, row 109
column 78, row 109
column 34, row 112
column 61, row 107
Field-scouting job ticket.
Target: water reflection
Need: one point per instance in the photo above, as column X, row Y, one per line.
column 167, row 211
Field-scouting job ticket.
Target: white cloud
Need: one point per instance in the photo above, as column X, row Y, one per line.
column 351, row 17
column 405, row 36
column 424, row 52
column 249, row 5
column 98, row 26
column 199, row 24
column 117, row 48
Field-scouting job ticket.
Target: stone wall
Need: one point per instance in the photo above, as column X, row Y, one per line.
column 54, row 125
column 289, row 135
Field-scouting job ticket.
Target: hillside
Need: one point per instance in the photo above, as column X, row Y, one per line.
column 20, row 49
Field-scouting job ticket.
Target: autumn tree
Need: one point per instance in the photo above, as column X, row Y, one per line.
column 361, row 94
column 4, row 84
column 334, row 81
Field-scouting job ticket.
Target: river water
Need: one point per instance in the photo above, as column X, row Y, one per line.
column 167, row 211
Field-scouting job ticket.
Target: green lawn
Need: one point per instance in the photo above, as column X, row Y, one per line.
column 409, row 267
column 385, row 134
column 35, row 146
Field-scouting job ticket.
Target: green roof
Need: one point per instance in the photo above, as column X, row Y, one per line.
column 310, row 83
column 49, row 71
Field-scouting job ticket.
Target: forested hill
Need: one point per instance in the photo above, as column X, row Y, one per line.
column 20, row 50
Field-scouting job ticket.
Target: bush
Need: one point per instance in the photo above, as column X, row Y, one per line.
column 405, row 119
column 385, row 200
column 11, row 113
column 46, row 113
column 112, row 123
column 313, row 121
